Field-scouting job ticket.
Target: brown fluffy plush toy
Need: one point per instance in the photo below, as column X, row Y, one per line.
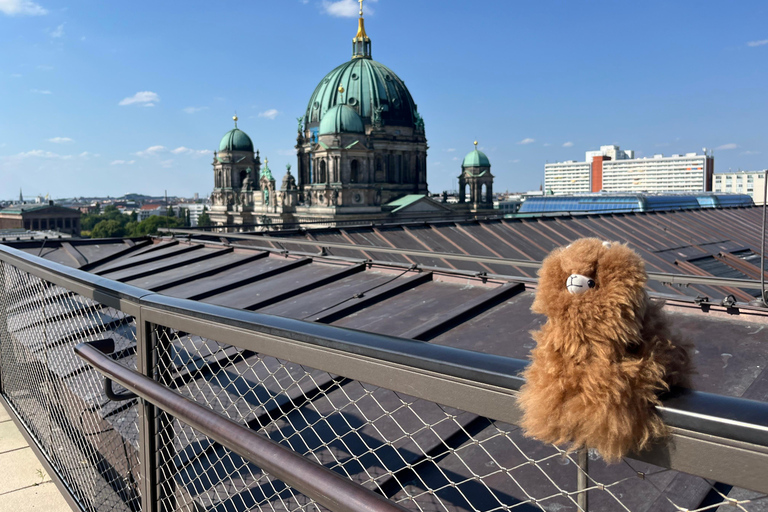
column 604, row 354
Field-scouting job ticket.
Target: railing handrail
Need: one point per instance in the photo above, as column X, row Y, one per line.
column 445, row 372
column 313, row 480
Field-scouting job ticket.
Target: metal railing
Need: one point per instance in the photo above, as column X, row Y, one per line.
column 428, row 427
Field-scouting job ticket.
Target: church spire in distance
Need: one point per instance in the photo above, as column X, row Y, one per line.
column 361, row 44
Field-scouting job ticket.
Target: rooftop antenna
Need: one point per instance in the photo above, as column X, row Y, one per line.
column 762, row 245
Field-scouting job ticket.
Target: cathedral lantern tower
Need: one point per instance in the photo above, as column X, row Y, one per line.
column 476, row 181
column 361, row 141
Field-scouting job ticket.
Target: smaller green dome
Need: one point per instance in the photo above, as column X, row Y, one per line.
column 236, row 140
column 341, row 119
column 476, row 159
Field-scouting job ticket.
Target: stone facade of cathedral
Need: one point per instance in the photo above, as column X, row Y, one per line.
column 361, row 155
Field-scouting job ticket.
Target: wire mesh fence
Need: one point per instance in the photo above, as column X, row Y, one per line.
column 420, row 454
column 91, row 443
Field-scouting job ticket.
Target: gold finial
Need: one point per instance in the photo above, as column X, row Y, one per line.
column 234, row 118
column 266, row 162
column 475, row 145
column 341, row 89
column 361, row 8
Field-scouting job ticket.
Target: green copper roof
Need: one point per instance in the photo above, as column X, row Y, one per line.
column 476, row 159
column 341, row 119
column 404, row 201
column 369, row 87
column 236, row 140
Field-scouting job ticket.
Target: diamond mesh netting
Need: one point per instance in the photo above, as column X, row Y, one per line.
column 420, row 454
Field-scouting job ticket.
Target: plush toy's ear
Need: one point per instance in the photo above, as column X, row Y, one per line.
column 551, row 285
column 607, row 245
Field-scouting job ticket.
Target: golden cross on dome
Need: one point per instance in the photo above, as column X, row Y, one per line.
column 361, row 8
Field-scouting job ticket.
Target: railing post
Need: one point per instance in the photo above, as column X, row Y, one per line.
column 582, row 480
column 145, row 355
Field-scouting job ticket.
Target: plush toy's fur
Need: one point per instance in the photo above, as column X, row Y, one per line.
column 603, row 355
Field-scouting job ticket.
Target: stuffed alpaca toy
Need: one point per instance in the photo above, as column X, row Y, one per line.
column 604, row 354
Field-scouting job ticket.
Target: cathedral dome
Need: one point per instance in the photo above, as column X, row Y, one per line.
column 366, row 86
column 476, row 159
column 236, row 140
column 341, row 119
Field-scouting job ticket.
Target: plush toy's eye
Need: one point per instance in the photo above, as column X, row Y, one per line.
column 591, row 283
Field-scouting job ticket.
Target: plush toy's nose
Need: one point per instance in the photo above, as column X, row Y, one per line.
column 577, row 284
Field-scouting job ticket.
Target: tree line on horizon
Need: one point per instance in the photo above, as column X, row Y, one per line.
column 112, row 223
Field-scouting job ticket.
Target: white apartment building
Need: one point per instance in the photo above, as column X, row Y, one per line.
column 611, row 169
column 569, row 177
column 751, row 183
column 195, row 211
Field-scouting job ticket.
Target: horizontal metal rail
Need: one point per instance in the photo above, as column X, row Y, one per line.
column 721, row 438
column 317, row 482
column 682, row 279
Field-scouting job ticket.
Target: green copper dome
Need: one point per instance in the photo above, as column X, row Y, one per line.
column 236, row 140
column 368, row 87
column 476, row 159
column 341, row 119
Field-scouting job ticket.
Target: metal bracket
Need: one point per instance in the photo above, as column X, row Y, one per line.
column 107, row 347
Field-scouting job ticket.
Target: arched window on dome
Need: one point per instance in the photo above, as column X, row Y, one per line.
column 354, row 172
column 467, row 192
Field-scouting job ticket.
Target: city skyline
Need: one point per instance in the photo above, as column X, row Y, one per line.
column 113, row 99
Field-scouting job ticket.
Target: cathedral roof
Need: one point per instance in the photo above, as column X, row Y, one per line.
column 368, row 86
column 341, row 119
column 476, row 158
column 236, row 140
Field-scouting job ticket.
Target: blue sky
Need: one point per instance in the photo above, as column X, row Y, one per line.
column 107, row 98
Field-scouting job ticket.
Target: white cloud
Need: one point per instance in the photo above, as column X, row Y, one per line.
column 40, row 91
column 37, row 153
column 568, row 144
column 152, row 150
column 60, row 140
column 547, row 144
column 516, row 161
column 749, row 153
column 167, row 163
column 269, row 114
column 345, row 8
column 450, row 150
column 758, row 43
column 727, row 146
column 181, row 150
column 87, row 155
column 527, row 141
column 192, row 110
column 22, row 8
column 122, row 162
column 59, row 32
column 146, row 98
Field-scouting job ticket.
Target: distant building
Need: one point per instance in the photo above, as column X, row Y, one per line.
column 612, row 170
column 742, row 182
column 195, row 211
column 148, row 210
column 41, row 217
column 629, row 202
